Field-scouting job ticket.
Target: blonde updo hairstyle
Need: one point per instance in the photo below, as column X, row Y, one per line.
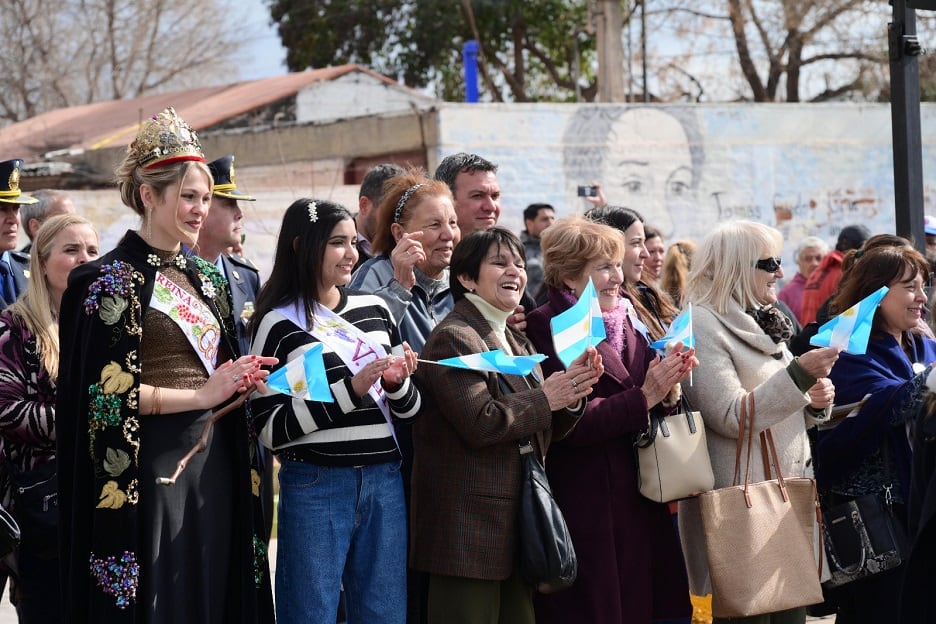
column 131, row 176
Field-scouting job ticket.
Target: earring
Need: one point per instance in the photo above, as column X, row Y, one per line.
column 149, row 223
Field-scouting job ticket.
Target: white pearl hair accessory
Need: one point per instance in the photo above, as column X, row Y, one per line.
column 313, row 212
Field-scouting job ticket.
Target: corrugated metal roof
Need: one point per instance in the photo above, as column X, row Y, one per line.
column 114, row 123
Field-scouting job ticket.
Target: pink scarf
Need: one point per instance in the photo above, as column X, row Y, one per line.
column 615, row 321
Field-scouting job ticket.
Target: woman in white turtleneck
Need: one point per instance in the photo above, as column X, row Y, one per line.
column 467, row 471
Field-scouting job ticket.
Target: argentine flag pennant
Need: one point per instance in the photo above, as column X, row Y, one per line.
column 679, row 331
column 851, row 329
column 304, row 377
column 579, row 327
column 495, row 362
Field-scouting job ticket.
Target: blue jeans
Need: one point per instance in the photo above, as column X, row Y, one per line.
column 341, row 525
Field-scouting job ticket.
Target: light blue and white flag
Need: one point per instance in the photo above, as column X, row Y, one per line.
column 303, row 378
column 679, row 331
column 495, row 362
column 579, row 327
column 851, row 329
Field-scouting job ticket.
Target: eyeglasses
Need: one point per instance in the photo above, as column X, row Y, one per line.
column 771, row 265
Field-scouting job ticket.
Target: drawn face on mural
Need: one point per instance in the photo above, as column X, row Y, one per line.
column 649, row 168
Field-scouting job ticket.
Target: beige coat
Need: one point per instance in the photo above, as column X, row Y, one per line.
column 736, row 357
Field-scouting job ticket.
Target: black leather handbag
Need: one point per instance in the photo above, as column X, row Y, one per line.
column 862, row 537
column 547, row 557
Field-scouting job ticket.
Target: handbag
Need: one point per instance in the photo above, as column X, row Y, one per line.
column 547, row 557
column 672, row 457
column 759, row 536
column 863, row 537
column 35, row 505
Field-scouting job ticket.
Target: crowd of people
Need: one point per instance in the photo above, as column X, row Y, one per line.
column 134, row 394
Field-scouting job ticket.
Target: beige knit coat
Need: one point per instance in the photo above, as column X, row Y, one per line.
column 737, row 357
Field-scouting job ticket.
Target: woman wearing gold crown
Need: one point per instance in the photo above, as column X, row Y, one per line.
column 148, row 354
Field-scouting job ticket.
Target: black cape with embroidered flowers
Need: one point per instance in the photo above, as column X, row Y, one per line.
column 97, row 429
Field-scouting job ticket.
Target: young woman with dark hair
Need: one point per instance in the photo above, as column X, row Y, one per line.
column 342, row 515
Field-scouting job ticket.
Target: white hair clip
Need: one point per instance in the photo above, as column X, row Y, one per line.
column 313, row 212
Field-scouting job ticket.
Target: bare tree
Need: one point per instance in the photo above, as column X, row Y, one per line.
column 769, row 50
column 58, row 53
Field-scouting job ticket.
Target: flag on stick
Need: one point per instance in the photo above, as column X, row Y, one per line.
column 304, row 377
column 579, row 327
column 494, row 361
column 679, row 331
column 851, row 329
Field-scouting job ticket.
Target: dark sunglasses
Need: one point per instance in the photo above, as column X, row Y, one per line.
column 771, row 265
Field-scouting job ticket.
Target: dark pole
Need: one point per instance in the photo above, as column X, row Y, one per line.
column 905, row 122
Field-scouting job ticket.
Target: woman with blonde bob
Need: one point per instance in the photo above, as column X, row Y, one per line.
column 742, row 336
column 630, row 565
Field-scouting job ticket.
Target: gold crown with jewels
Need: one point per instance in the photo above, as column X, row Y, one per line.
column 164, row 139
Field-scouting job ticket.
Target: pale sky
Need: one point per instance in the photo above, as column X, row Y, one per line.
column 264, row 56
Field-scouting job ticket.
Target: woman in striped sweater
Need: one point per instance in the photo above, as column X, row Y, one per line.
column 342, row 516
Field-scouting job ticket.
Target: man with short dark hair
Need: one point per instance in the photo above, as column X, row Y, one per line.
column 49, row 203
column 369, row 197
column 536, row 218
column 14, row 265
column 474, row 185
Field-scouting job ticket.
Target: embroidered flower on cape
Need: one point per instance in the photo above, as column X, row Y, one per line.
column 114, row 380
column 261, row 564
column 117, row 281
column 117, row 577
column 111, row 497
column 112, row 308
column 116, row 461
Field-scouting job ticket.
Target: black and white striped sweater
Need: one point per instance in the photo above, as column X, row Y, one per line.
column 352, row 431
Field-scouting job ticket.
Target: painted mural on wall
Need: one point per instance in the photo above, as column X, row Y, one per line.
column 804, row 169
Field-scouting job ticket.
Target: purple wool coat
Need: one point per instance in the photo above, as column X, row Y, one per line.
column 630, row 563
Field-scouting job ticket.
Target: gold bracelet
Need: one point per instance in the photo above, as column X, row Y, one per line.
column 157, row 401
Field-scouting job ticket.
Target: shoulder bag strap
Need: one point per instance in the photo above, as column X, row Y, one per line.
column 750, row 445
column 740, row 444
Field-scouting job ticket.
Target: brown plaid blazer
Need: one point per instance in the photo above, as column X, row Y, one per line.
column 466, row 467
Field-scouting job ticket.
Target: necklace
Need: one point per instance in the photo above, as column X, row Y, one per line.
column 178, row 260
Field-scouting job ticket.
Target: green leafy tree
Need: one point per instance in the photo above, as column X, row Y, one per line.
column 530, row 50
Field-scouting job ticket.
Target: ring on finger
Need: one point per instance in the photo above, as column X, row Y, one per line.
column 574, row 384
column 235, row 378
